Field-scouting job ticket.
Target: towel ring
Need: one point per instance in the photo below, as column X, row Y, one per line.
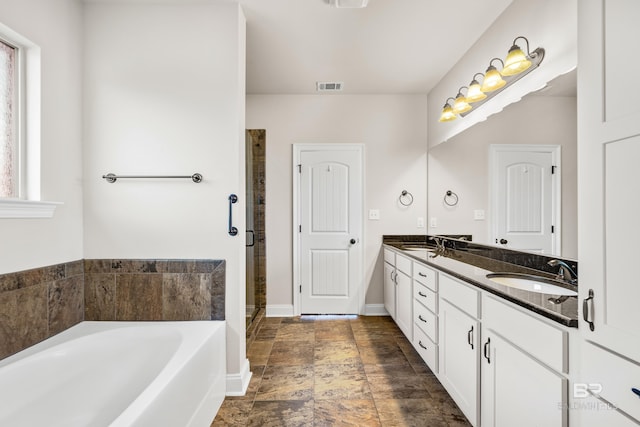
column 450, row 198
column 405, row 198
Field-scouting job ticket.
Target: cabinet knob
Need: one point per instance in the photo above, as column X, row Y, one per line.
column 636, row 391
column 352, row 241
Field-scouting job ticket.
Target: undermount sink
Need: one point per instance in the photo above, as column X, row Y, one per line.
column 415, row 248
column 526, row 282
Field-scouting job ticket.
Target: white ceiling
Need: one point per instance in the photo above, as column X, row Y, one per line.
column 391, row 46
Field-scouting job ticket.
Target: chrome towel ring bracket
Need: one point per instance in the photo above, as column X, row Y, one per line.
column 450, row 198
column 406, row 198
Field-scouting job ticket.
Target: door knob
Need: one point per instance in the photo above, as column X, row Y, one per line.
column 352, row 241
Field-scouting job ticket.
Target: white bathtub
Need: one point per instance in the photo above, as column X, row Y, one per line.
column 117, row 374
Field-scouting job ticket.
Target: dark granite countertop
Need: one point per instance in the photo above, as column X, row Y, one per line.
column 463, row 263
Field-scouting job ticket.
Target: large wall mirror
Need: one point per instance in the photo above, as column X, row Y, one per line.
column 499, row 175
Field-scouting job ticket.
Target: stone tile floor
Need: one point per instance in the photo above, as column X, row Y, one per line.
column 338, row 371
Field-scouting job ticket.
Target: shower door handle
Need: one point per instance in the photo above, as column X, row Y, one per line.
column 232, row 230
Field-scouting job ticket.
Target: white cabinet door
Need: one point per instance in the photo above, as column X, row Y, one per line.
column 608, row 153
column 517, row 390
column 390, row 289
column 404, row 304
column 458, row 370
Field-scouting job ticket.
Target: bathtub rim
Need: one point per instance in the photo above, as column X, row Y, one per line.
column 87, row 327
column 207, row 405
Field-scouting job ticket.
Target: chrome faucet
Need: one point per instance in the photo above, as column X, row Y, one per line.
column 565, row 273
column 440, row 248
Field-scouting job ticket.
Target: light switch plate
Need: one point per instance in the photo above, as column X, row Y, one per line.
column 374, row 214
column 420, row 222
column 434, row 222
column 478, row 214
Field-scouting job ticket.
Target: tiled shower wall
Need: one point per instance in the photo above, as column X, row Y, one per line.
column 36, row 304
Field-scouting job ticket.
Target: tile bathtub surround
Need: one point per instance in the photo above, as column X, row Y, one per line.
column 154, row 289
column 36, row 304
column 338, row 370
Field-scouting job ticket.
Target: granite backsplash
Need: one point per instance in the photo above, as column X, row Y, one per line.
column 463, row 243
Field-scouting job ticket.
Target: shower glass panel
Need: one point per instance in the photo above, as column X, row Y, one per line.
column 255, row 196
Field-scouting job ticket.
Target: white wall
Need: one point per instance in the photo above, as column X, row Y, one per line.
column 57, row 28
column 462, row 165
column 393, row 130
column 164, row 95
column 551, row 24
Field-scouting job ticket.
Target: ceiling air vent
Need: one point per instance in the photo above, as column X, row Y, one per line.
column 349, row 4
column 329, row 86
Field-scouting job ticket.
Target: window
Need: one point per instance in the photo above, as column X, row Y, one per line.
column 8, row 135
column 20, row 128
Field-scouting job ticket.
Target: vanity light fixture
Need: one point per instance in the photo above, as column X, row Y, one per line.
column 492, row 78
column 516, row 61
column 447, row 112
column 516, row 65
column 474, row 93
column 460, row 105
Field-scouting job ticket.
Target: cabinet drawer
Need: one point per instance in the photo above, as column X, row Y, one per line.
column 427, row 349
column 425, row 296
column 546, row 343
column 426, row 320
column 425, row 275
column 403, row 264
column 462, row 296
column 600, row 414
column 390, row 256
column 612, row 376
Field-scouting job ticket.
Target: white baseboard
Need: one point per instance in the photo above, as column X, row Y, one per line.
column 237, row 384
column 279, row 310
column 375, row 310
column 286, row 310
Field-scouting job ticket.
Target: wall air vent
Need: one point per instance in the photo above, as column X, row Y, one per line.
column 329, row 86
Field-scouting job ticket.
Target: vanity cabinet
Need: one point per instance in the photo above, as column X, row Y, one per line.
column 425, row 317
column 390, row 289
column 521, row 386
column 398, row 290
column 459, row 370
column 502, row 364
column 404, row 306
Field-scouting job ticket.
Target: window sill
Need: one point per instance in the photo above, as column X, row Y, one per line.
column 27, row 208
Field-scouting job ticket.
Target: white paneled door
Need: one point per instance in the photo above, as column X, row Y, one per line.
column 329, row 228
column 524, row 198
